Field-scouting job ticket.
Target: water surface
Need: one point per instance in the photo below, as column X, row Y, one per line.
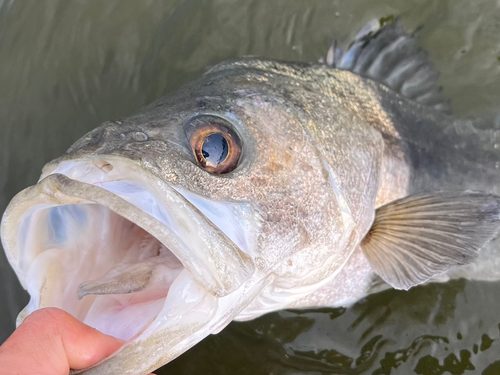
column 68, row 65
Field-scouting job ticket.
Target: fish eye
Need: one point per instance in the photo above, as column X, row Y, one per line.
column 216, row 147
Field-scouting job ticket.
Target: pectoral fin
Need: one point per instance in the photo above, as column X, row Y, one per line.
column 421, row 236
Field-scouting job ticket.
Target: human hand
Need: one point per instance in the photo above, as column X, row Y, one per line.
column 51, row 342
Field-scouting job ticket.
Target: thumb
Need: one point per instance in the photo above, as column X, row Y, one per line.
column 51, row 342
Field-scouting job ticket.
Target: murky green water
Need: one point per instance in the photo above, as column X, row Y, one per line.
column 68, row 65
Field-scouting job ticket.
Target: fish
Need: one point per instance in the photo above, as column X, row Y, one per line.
column 262, row 185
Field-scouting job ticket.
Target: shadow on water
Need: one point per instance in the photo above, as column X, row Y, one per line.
column 435, row 329
column 66, row 66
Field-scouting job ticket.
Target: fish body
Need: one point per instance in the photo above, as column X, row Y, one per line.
column 260, row 186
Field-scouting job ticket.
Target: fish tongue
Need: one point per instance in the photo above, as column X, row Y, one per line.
column 128, row 278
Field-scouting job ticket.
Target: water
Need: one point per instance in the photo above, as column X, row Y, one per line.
column 68, row 65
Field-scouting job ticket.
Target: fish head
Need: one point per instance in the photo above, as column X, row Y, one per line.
column 213, row 203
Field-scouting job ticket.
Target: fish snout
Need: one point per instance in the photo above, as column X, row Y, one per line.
column 129, row 254
column 105, row 138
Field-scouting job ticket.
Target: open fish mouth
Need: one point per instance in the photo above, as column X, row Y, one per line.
column 122, row 251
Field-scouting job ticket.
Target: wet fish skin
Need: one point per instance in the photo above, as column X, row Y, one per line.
column 281, row 171
column 301, row 101
column 303, row 238
column 282, row 175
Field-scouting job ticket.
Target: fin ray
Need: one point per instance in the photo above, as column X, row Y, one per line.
column 421, row 236
column 392, row 57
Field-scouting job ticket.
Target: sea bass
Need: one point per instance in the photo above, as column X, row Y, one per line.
column 263, row 185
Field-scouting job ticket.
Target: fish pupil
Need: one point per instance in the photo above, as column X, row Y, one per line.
column 215, row 149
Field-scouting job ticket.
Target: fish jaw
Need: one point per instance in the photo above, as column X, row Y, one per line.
column 82, row 223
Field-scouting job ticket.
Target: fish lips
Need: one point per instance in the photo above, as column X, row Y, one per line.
column 218, row 278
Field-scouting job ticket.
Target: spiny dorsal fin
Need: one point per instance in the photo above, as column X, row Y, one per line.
column 424, row 235
column 389, row 55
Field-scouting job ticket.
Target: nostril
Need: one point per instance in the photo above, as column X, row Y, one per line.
column 103, row 165
column 96, row 138
column 140, row 136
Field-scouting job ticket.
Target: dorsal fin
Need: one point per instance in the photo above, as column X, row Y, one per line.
column 387, row 54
